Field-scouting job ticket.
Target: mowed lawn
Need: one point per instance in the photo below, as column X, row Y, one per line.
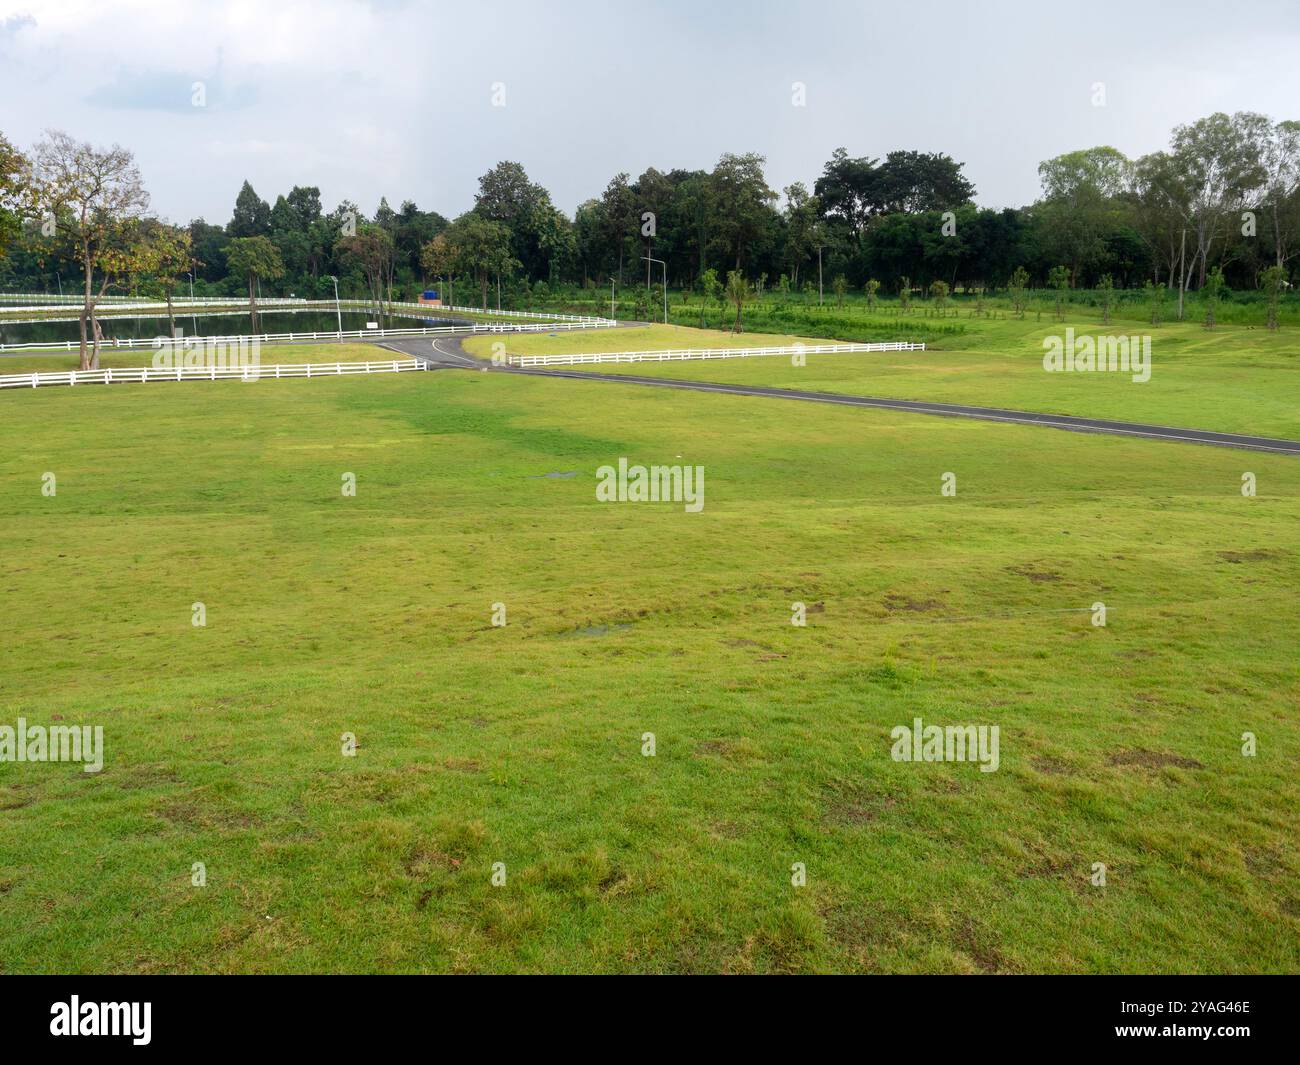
column 522, row 744
column 1234, row 379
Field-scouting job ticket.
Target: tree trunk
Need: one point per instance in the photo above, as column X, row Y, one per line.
column 171, row 320
column 84, row 360
column 252, row 304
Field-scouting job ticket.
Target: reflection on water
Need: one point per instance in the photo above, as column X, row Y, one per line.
column 313, row 321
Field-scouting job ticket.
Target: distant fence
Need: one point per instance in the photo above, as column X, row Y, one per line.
column 682, row 354
column 127, row 374
column 332, row 334
column 38, row 301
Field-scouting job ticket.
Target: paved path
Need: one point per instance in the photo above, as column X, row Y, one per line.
column 446, row 352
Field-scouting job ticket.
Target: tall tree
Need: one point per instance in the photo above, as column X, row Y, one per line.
column 252, row 217
column 97, row 198
column 744, row 202
column 482, row 248
column 256, row 259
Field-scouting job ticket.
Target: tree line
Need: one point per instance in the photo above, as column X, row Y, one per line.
column 1219, row 206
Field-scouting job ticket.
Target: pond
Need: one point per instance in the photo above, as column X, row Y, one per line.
column 271, row 321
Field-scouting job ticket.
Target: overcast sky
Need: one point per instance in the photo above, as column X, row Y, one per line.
column 395, row 98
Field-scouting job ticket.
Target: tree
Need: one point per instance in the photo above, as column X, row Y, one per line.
column 436, row 258
column 1156, row 301
column 848, row 192
column 739, row 292
column 801, row 230
column 871, row 288
column 839, row 286
column 939, row 293
column 1059, row 278
column 744, row 202
column 1274, row 281
column 1219, row 160
column 1016, row 288
column 1080, row 205
column 370, row 248
column 905, row 294
column 168, row 253
column 97, row 198
column 482, row 248
column 1106, row 290
column 15, row 190
column 1212, row 290
column 252, row 217
column 256, row 259
column 920, row 181
column 1281, row 163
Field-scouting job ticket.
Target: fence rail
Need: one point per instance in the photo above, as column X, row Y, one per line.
column 682, row 354
column 128, row 374
column 129, row 343
column 120, row 303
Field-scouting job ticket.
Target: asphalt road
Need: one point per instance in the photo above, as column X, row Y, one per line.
column 446, row 353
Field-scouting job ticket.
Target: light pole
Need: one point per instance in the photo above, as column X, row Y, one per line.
column 60, row 277
column 665, row 266
column 611, row 298
column 338, row 312
column 194, row 316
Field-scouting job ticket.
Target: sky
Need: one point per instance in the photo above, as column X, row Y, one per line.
column 414, row 100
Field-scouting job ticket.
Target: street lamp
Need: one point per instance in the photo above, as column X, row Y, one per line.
column 648, row 259
column 336, row 306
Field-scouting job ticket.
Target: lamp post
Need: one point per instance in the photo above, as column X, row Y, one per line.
column 611, row 298
column 338, row 312
column 648, row 259
column 194, row 318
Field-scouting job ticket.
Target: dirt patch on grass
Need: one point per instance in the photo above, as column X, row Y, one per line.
column 897, row 604
column 1152, row 760
column 1262, row 862
column 13, row 799
column 463, row 765
column 846, row 804
column 195, row 813
column 426, row 858
column 1052, row 767
column 1038, row 576
column 1237, row 557
column 975, row 944
column 747, row 643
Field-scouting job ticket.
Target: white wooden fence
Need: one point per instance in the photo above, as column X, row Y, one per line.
column 120, row 304
column 681, row 354
column 207, row 373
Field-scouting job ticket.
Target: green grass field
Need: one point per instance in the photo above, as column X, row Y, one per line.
column 1234, row 379
column 522, row 744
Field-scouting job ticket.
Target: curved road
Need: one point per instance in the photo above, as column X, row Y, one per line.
column 446, row 353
